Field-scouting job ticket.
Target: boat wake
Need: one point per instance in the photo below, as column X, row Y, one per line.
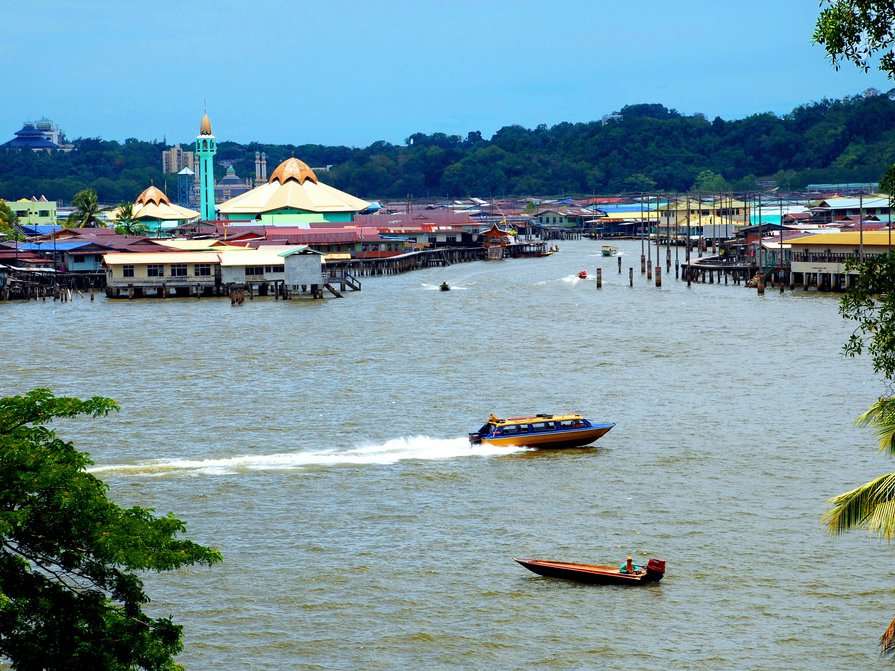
column 436, row 287
column 571, row 279
column 419, row 448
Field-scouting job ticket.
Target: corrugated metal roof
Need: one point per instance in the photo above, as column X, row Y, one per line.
column 119, row 258
column 58, row 245
column 850, row 239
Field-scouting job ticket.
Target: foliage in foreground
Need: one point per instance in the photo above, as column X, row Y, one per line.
column 871, row 304
column 70, row 597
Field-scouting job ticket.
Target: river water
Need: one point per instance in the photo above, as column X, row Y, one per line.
column 321, row 446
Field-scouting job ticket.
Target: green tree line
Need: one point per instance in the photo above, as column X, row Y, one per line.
column 644, row 147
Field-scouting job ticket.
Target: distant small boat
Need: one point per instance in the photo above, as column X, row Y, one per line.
column 609, row 250
column 582, row 275
column 598, row 574
column 445, row 286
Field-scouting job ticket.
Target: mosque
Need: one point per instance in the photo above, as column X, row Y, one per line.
column 292, row 196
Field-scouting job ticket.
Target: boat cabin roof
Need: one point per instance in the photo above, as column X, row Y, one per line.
column 509, row 421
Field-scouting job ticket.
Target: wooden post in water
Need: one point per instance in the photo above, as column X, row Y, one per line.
column 761, row 284
column 658, row 277
column 630, row 276
column 642, row 264
column 649, row 269
column 599, row 278
column 619, row 265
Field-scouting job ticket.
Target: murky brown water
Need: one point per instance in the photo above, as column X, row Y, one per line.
column 321, row 447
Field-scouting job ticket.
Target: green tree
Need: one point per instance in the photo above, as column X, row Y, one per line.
column 86, row 214
column 8, row 220
column 70, row 597
column 856, row 31
column 887, row 181
column 708, row 181
column 125, row 224
column 638, row 182
column 870, row 302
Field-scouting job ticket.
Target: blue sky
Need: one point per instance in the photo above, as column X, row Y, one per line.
column 342, row 72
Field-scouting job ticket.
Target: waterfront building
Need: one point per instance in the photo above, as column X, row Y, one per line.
column 820, row 259
column 34, row 211
column 565, row 218
column 176, row 159
column 293, row 196
column 206, row 148
column 154, row 210
column 841, row 208
column 718, row 218
column 161, row 273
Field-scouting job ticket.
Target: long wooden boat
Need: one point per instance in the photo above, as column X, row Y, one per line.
column 598, row 574
column 547, row 431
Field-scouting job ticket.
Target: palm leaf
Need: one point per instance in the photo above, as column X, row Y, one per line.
column 870, row 506
column 881, row 416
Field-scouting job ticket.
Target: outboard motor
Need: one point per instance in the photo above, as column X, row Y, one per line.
column 655, row 569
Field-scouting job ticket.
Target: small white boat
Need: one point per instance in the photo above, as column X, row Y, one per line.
column 609, row 250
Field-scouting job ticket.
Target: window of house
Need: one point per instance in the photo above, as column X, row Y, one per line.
column 127, row 271
column 432, row 239
column 155, row 270
column 452, row 238
column 203, row 269
column 254, row 271
column 43, row 213
column 178, row 270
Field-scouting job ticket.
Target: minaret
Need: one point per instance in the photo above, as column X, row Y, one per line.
column 263, row 167
column 205, row 150
column 257, row 168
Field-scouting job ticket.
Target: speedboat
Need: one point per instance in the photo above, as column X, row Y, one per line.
column 548, row 431
column 582, row 275
column 445, row 286
column 627, row 573
column 609, row 250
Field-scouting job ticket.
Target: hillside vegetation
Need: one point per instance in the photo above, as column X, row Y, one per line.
column 646, row 147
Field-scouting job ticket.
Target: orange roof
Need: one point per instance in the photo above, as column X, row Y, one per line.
column 152, row 195
column 205, row 125
column 292, row 168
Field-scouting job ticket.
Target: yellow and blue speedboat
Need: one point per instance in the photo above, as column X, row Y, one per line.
column 549, row 431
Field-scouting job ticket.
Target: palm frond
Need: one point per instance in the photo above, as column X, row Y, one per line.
column 870, row 506
column 881, row 416
column 887, row 640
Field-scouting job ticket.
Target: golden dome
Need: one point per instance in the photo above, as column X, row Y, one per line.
column 153, row 195
column 292, row 168
column 205, row 125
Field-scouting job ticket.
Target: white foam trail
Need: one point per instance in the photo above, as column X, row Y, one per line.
column 389, row 452
column 571, row 279
column 435, row 287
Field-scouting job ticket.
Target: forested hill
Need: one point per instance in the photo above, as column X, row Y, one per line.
column 644, row 147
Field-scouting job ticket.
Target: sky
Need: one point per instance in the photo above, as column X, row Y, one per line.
column 353, row 72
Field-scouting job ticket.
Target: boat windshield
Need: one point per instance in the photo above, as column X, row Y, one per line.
column 485, row 430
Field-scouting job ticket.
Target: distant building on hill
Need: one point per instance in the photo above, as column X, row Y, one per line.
column 187, row 187
column 40, row 135
column 176, row 159
column 230, row 186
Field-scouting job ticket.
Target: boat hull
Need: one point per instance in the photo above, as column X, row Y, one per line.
column 594, row 574
column 551, row 439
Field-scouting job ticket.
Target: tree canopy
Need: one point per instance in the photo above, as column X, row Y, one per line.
column 857, row 31
column 70, row 595
column 643, row 147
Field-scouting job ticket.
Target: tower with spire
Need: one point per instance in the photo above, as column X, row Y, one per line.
column 205, row 150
